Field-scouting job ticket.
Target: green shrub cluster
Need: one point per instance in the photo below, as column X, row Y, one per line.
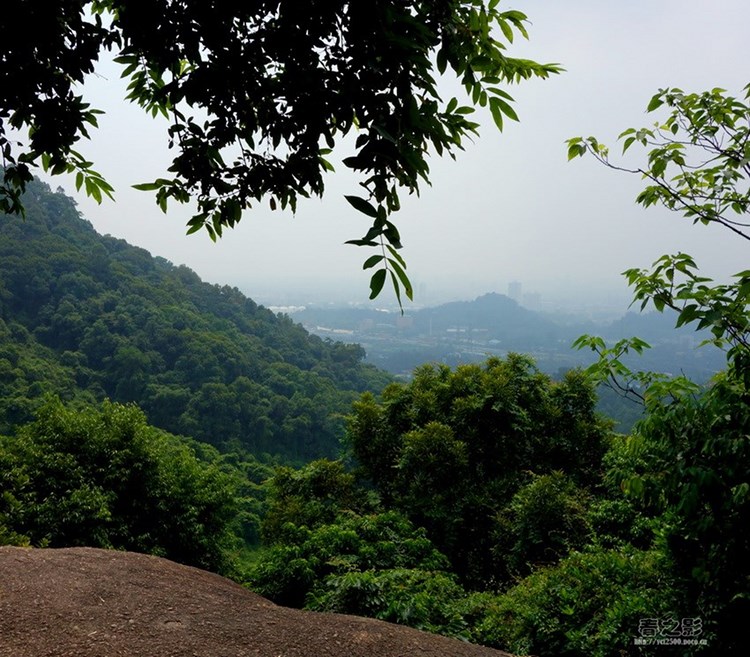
column 105, row 478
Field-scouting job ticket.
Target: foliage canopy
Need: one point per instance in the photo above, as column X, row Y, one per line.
column 104, row 478
column 451, row 449
column 699, row 166
column 699, row 158
column 257, row 95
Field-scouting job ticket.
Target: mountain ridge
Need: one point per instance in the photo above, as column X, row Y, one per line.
column 89, row 317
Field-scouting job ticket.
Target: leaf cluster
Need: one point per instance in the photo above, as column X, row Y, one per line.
column 47, row 53
column 258, row 95
column 452, row 448
column 698, row 162
column 699, row 166
column 589, row 604
column 688, row 457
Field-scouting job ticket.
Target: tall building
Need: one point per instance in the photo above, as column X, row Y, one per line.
column 514, row 291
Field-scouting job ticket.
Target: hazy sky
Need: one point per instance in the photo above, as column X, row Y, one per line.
column 510, row 208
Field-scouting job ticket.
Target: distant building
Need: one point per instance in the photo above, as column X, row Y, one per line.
column 514, row 291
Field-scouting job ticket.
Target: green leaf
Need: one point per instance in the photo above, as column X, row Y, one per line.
column 634, row 486
column 507, row 30
column 576, row 150
column 363, row 206
column 396, row 255
column 93, row 190
column 627, row 143
column 147, row 187
column 392, row 235
column 497, row 115
column 231, row 213
column 507, row 110
column 397, row 291
column 500, row 92
column 376, row 283
column 396, row 266
column 372, row 261
column 655, row 103
column 442, row 60
column 125, row 59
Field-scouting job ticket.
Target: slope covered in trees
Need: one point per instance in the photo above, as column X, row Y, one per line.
column 88, row 317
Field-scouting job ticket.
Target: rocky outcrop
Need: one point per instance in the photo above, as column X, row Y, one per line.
column 84, row 602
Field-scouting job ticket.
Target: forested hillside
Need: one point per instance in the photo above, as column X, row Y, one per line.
column 88, row 317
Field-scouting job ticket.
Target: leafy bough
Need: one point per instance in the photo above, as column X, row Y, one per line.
column 699, row 166
column 259, row 94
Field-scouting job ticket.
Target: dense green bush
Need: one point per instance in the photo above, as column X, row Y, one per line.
column 290, row 571
column 452, row 448
column 309, row 497
column 546, row 519
column 418, row 598
column 689, row 463
column 590, row 604
column 10, row 507
column 105, row 478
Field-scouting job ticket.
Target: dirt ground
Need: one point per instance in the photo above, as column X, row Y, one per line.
column 83, row 602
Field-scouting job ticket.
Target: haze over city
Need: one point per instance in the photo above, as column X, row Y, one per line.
column 510, row 209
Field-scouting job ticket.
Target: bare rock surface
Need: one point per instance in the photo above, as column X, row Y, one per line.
column 85, row 602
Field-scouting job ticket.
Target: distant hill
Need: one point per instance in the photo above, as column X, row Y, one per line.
column 496, row 315
column 468, row 331
column 491, row 316
column 85, row 316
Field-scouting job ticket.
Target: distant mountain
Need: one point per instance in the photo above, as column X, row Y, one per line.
column 85, row 317
column 496, row 316
column 468, row 331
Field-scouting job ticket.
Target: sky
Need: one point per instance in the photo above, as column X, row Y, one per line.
column 510, row 208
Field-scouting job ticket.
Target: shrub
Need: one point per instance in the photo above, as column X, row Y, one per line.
column 545, row 520
column 589, row 604
column 105, row 478
column 417, row 598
